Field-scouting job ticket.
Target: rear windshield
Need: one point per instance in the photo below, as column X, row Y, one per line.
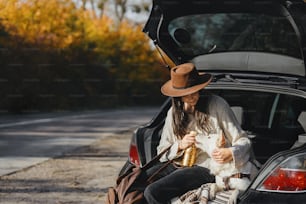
column 201, row 34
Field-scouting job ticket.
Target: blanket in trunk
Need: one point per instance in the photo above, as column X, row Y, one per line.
column 207, row 194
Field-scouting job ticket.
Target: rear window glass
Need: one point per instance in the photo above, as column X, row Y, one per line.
column 201, row 34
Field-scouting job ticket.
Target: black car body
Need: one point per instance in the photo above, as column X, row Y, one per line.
column 256, row 52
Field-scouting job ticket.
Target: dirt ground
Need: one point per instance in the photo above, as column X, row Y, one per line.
column 81, row 176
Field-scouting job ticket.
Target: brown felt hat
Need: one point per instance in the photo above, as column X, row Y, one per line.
column 185, row 80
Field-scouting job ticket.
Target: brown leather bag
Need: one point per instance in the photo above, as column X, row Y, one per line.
column 130, row 186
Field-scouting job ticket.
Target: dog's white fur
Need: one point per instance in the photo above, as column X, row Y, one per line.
column 224, row 170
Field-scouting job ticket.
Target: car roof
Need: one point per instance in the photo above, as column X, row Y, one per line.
column 173, row 24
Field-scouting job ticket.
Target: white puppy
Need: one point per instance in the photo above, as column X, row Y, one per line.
column 224, row 172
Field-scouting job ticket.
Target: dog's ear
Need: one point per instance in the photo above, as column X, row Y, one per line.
column 221, row 141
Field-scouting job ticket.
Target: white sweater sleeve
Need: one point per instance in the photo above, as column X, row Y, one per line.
column 240, row 143
column 168, row 138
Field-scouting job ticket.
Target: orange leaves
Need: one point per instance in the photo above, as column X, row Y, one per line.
column 45, row 23
column 60, row 25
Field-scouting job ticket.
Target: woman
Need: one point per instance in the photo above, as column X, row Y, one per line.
column 211, row 118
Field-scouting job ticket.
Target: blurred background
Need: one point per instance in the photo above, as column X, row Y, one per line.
column 59, row 55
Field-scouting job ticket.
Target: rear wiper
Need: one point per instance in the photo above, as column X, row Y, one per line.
column 228, row 77
column 212, row 49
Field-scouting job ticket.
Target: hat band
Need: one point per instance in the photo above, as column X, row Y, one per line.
column 180, row 88
column 190, row 83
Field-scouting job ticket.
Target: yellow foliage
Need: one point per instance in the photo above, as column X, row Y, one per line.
column 59, row 24
column 52, row 23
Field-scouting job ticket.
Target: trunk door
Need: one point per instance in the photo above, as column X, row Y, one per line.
column 243, row 35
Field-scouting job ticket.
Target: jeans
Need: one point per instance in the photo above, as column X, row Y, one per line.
column 174, row 182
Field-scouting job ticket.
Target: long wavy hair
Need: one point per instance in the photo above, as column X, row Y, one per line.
column 181, row 119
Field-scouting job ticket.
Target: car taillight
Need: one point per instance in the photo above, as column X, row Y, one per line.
column 286, row 180
column 289, row 176
column 133, row 155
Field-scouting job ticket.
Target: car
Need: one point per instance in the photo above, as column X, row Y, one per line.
column 256, row 52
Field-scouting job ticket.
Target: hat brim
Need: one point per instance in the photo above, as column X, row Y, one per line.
column 168, row 90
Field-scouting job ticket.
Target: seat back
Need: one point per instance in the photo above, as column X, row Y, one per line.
column 238, row 111
column 302, row 119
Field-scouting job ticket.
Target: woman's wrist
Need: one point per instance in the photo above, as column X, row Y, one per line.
column 180, row 145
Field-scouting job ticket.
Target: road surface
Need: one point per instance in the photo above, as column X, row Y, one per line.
column 28, row 140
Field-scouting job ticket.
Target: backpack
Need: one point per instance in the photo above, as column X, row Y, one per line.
column 131, row 185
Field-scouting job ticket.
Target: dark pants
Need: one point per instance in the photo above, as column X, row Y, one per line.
column 174, row 182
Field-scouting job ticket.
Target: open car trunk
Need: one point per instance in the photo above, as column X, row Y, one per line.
column 186, row 30
column 273, row 121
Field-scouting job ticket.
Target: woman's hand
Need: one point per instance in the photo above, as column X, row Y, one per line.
column 222, row 155
column 187, row 140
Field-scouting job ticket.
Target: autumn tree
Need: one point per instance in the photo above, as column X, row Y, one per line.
column 65, row 57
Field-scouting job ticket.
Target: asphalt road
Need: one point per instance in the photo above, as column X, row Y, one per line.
column 30, row 139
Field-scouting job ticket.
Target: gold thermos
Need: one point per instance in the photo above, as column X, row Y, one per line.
column 189, row 156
